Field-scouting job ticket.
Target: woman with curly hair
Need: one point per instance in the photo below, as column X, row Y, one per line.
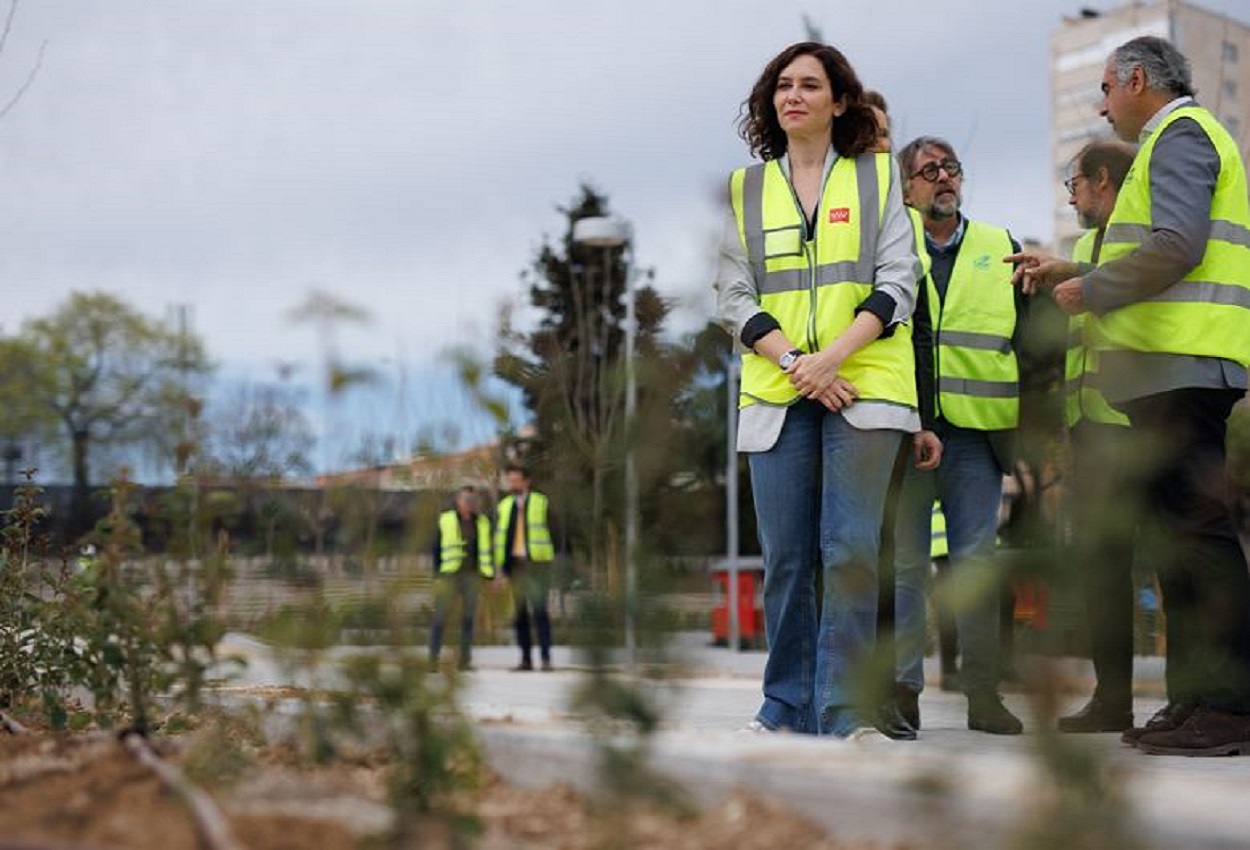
column 816, row 279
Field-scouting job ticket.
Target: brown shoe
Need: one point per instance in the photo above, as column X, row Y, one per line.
column 1205, row 733
column 547, row 668
column 524, row 666
column 1171, row 716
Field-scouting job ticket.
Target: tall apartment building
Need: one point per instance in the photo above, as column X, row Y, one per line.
column 1218, row 47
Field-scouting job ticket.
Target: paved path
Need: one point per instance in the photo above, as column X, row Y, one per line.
column 953, row 787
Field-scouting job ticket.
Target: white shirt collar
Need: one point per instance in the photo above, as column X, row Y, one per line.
column 1164, row 111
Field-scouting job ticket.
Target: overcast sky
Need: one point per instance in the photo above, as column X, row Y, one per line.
column 408, row 156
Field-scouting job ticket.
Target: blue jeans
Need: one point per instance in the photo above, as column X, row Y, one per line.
column 969, row 485
column 819, row 494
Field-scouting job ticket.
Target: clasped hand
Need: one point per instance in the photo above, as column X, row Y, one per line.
column 816, row 377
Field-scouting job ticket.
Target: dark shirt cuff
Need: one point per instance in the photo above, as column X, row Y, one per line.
column 757, row 327
column 882, row 306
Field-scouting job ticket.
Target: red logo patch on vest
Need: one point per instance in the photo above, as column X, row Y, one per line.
column 840, row 215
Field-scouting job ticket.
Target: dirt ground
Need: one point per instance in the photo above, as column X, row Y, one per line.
column 85, row 791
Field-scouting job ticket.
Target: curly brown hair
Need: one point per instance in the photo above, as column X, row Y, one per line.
column 853, row 133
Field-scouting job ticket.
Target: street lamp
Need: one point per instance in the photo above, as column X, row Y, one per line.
column 605, row 232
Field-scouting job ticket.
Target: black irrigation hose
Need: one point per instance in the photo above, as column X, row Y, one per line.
column 210, row 823
column 45, row 845
column 8, row 724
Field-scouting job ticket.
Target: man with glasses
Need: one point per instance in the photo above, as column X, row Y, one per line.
column 1172, row 297
column 969, row 395
column 1103, row 514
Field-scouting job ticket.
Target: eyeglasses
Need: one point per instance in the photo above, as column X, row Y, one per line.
column 1070, row 183
column 952, row 168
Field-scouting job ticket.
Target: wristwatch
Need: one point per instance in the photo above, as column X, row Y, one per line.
column 787, row 359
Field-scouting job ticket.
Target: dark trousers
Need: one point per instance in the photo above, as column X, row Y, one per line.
column 1179, row 439
column 464, row 583
column 530, row 583
column 1105, row 508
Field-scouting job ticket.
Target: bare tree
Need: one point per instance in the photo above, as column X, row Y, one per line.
column 31, row 73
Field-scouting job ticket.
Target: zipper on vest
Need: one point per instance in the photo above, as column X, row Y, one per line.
column 809, row 249
column 809, row 244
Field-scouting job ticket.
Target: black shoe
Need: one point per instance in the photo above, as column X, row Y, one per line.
column 547, row 668
column 1171, row 716
column 1097, row 716
column 525, row 665
column 907, row 702
column 1205, row 733
column 892, row 724
column 986, row 713
column 465, row 667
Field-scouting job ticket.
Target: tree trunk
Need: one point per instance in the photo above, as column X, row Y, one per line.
column 596, row 524
column 81, row 519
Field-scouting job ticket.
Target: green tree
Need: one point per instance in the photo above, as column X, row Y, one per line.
column 570, row 370
column 110, row 377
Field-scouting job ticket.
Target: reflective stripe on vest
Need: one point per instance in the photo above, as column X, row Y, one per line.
column 452, row 546
column 1081, row 399
column 1206, row 313
column 812, row 283
column 938, row 547
column 977, row 375
column 538, row 544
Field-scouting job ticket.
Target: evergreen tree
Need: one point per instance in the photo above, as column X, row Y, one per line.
column 571, row 371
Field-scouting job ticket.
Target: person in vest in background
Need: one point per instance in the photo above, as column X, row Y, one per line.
column 1172, row 297
column 971, row 397
column 1103, row 512
column 924, row 450
column 948, row 634
column 525, row 548
column 816, row 276
column 462, row 553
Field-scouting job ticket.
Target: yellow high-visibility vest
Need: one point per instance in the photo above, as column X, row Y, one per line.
column 812, row 283
column 452, row 545
column 1082, row 399
column 978, row 378
column 1206, row 313
column 538, row 541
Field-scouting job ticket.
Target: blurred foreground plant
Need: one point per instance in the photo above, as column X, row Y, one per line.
column 622, row 708
column 124, row 628
column 39, row 657
column 389, row 703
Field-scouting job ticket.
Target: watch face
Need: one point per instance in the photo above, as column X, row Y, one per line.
column 787, row 360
